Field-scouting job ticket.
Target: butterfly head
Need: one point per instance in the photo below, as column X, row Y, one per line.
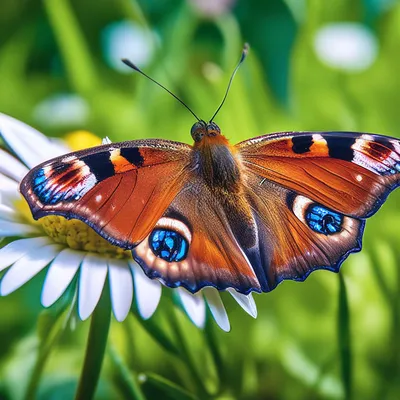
column 202, row 128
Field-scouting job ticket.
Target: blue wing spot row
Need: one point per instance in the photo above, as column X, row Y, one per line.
column 42, row 189
column 395, row 170
column 322, row 220
column 169, row 245
column 51, row 194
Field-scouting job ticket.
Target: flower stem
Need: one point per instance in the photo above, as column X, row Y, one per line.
column 95, row 350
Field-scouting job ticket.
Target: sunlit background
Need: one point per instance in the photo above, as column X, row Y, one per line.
column 313, row 65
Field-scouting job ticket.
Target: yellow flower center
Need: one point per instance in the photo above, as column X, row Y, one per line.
column 73, row 233
column 79, row 236
column 80, row 140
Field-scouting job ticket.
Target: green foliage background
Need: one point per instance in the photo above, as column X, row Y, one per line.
column 328, row 337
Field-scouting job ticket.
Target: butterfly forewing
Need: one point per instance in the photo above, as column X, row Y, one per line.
column 120, row 190
column 350, row 172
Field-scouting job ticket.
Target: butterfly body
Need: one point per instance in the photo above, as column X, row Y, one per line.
column 243, row 216
column 217, row 164
column 221, row 169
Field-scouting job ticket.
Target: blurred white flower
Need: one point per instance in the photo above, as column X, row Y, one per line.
column 346, row 46
column 125, row 39
column 70, row 248
column 213, row 8
column 62, row 110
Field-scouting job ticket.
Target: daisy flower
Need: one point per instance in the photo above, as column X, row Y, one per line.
column 69, row 248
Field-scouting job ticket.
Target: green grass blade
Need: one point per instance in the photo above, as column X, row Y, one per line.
column 51, row 325
column 158, row 334
column 124, row 378
column 80, row 67
column 344, row 337
column 168, row 388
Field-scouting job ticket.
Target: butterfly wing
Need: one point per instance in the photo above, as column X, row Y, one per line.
column 349, row 172
column 288, row 247
column 120, row 190
column 310, row 194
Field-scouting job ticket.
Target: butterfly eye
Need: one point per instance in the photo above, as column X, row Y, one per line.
column 323, row 220
column 169, row 245
column 213, row 129
column 199, row 129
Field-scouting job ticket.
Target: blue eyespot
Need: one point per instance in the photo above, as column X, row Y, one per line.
column 323, row 220
column 169, row 245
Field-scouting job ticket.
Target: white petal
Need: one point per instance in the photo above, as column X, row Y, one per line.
column 15, row 229
column 10, row 166
column 91, row 283
column 9, row 197
column 194, row 306
column 147, row 291
column 121, row 285
column 30, row 145
column 27, row 267
column 7, row 184
column 246, row 302
column 217, row 308
column 62, row 146
column 9, row 191
column 7, row 213
column 60, row 274
column 16, row 250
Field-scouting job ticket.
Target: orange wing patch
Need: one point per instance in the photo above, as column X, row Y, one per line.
column 121, row 164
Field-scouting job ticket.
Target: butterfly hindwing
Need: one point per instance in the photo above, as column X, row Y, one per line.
column 296, row 235
column 120, row 190
column 212, row 254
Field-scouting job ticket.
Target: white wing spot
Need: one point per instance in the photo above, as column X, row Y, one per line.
column 69, row 159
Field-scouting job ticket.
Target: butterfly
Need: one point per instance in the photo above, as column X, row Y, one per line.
column 244, row 216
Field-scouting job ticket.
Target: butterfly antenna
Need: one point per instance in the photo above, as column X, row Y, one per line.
column 137, row 69
column 245, row 51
